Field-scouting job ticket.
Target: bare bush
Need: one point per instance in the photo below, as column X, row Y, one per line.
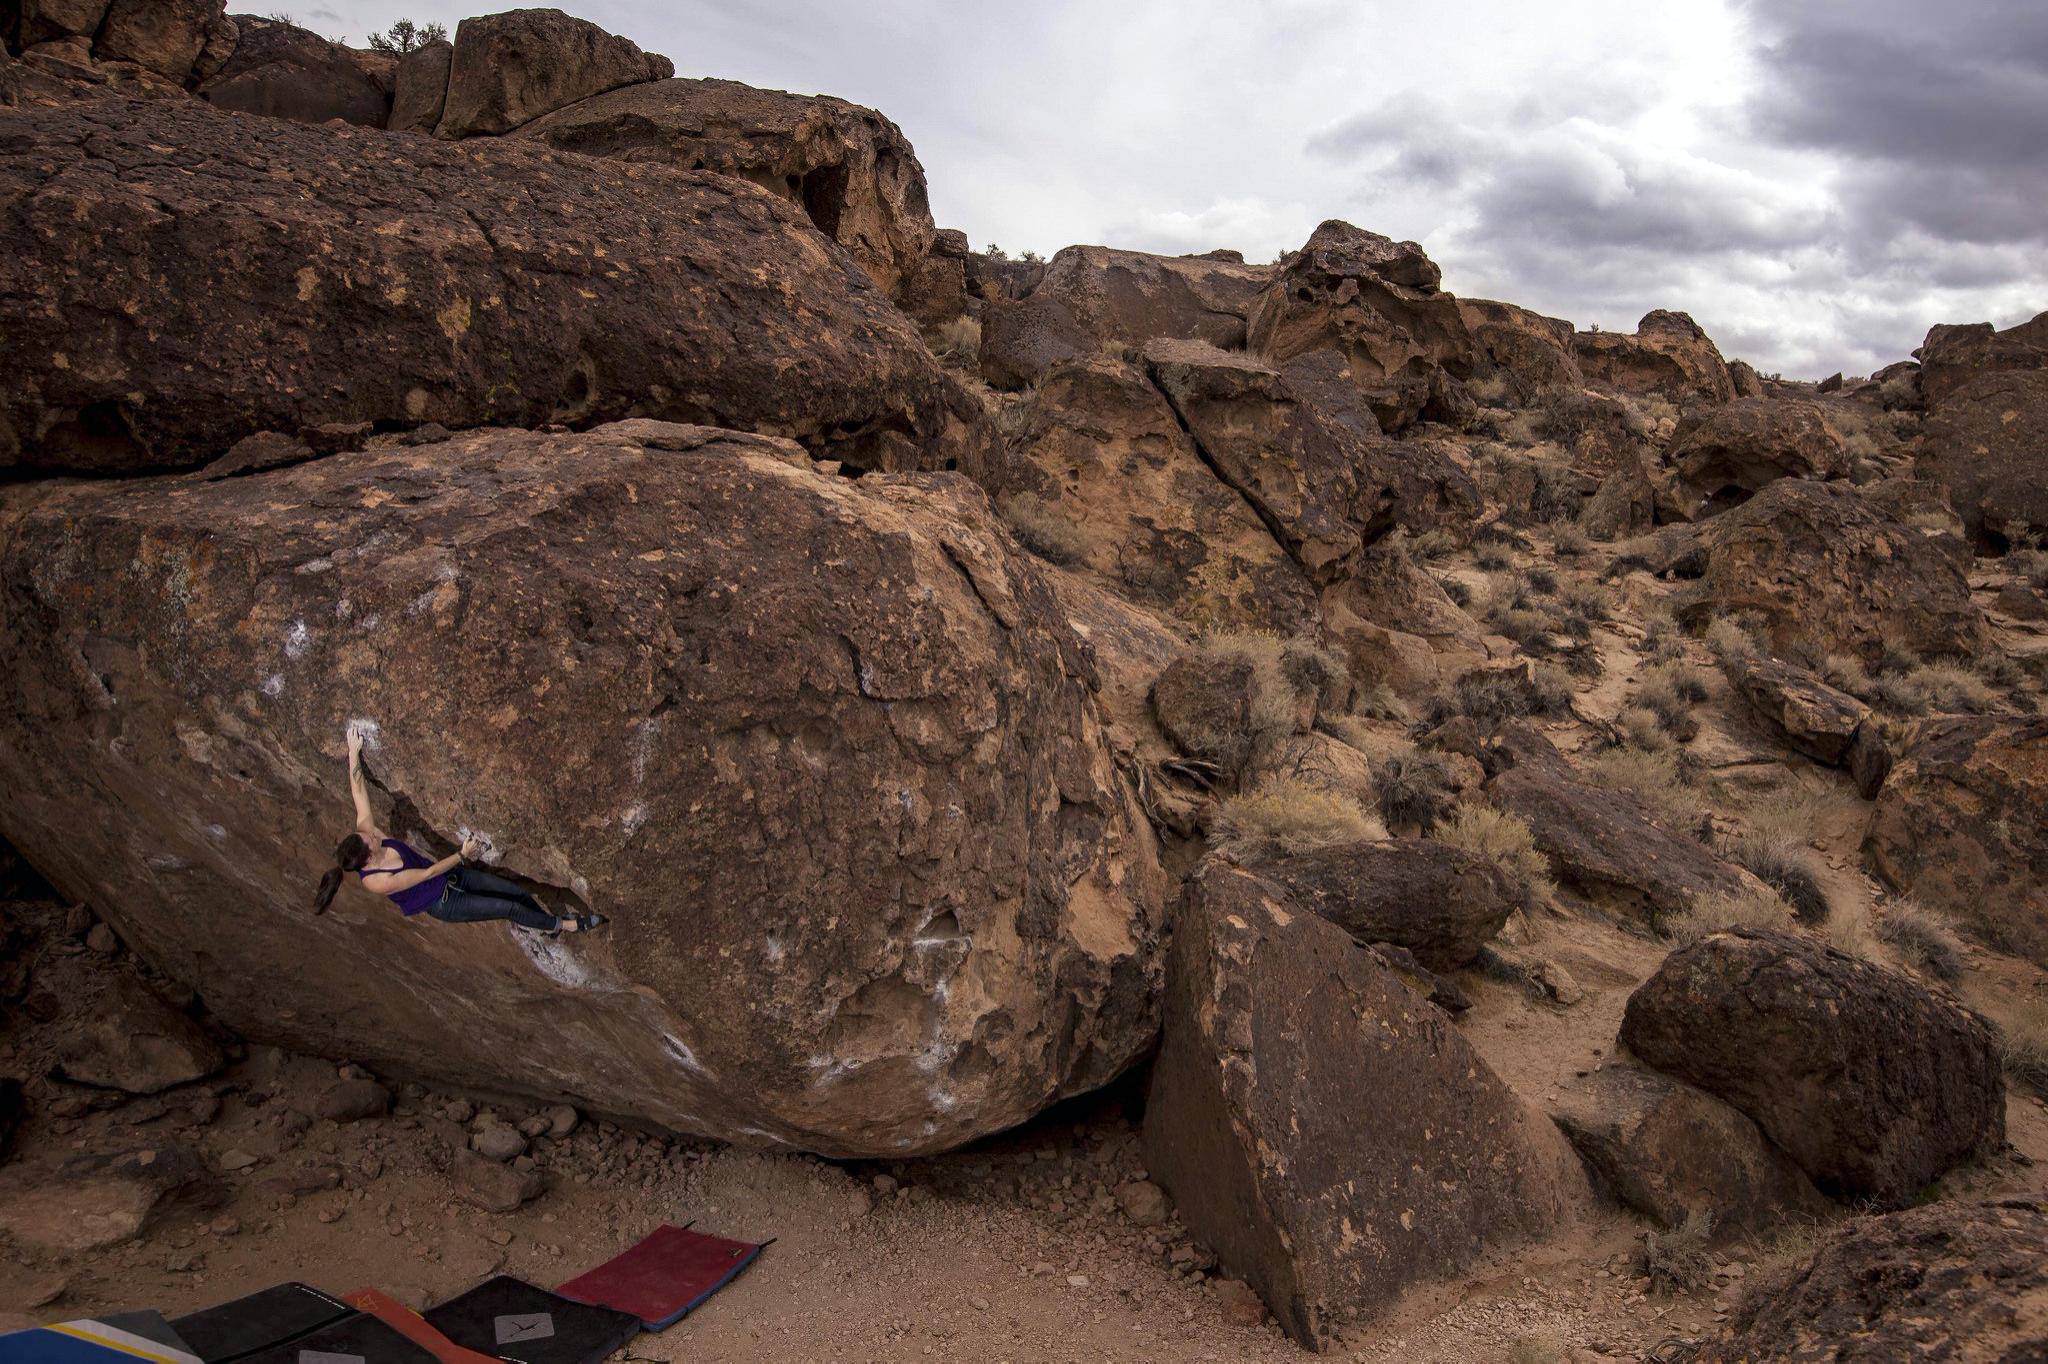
column 1285, row 816
column 1505, row 839
column 1924, row 937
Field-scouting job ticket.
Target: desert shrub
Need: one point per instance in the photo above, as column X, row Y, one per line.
column 1413, row 789
column 1541, row 581
column 1493, row 557
column 1795, row 812
column 1922, row 936
column 958, row 342
column 1286, row 815
column 1789, row 867
column 1043, row 531
column 1284, row 673
column 1505, row 839
column 1950, row 687
column 1568, row 539
column 1491, row 391
column 1679, row 1260
column 1456, row 589
column 1489, row 697
column 1434, row 543
column 1669, row 691
column 1661, row 641
column 1730, row 642
column 406, row 36
column 1642, row 728
column 1850, row 930
column 1712, row 913
column 1654, row 777
column 1844, row 672
column 2023, row 1042
column 1378, row 702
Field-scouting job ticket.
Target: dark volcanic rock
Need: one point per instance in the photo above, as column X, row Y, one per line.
column 1669, row 1150
column 168, row 37
column 1987, row 404
column 1871, row 1083
column 1962, row 823
column 1813, row 717
column 850, row 169
column 824, row 743
column 1133, row 296
column 1328, row 1132
column 508, row 69
column 1605, row 844
column 1827, row 571
column 420, row 88
column 1440, row 902
column 1533, row 353
column 182, row 277
column 1961, row 1281
column 285, row 71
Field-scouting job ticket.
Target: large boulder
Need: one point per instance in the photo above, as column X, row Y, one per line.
column 1814, row 718
column 821, row 747
column 1322, row 1126
column 1107, row 472
column 1870, row 1082
column 1528, row 352
column 1377, row 303
column 1025, row 339
column 285, row 71
column 1134, row 296
column 325, row 274
column 419, row 89
column 1316, row 472
column 1671, row 1151
column 1668, row 357
column 45, row 21
column 1827, row 571
column 1962, row 824
column 508, row 69
column 850, row 169
column 1440, row 902
column 1607, row 845
column 1722, row 454
column 1952, row 1280
column 131, row 1040
column 168, row 37
column 1987, row 404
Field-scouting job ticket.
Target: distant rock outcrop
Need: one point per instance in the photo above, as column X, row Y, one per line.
column 823, row 748
column 1723, row 454
column 850, row 169
column 311, row 275
column 1668, row 356
column 286, row 71
column 1987, row 405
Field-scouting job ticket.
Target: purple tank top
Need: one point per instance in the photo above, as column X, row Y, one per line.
column 413, row 899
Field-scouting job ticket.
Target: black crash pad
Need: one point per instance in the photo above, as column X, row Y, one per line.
column 527, row 1325
column 269, row 1317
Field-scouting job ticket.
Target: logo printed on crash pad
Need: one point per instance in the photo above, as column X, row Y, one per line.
column 517, row 1326
column 329, row 1357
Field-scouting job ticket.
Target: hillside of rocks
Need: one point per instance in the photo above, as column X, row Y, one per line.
column 1327, row 814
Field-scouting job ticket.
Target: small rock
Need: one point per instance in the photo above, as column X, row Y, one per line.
column 225, row 1225
column 491, row 1186
column 497, row 1141
column 101, row 939
column 331, row 1214
column 238, row 1160
column 1077, row 1280
column 1241, row 1306
column 351, row 1100
column 44, row 1293
column 562, row 1121
column 979, row 1304
column 501, row 1236
column 1143, row 1202
column 459, row 1110
column 885, row 1185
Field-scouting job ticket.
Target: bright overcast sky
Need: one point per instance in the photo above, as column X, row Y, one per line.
column 1815, row 181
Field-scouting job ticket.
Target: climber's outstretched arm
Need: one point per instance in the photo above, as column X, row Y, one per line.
column 359, row 787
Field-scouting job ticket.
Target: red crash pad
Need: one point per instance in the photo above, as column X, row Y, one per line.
column 663, row 1277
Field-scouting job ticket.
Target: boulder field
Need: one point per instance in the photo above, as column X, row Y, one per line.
column 969, row 682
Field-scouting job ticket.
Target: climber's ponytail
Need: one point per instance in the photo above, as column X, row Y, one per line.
column 349, row 855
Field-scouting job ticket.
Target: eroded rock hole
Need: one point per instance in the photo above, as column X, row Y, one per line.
column 99, row 437
column 824, row 196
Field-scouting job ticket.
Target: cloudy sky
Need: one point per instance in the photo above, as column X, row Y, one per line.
column 1816, row 181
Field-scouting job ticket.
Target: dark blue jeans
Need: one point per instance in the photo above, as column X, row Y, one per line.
column 477, row 896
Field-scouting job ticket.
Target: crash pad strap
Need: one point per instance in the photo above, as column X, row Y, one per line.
column 413, row 1327
column 665, row 1276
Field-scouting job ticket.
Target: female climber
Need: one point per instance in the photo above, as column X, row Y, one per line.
column 447, row 890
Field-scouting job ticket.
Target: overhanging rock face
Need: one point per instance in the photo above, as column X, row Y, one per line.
column 823, row 748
